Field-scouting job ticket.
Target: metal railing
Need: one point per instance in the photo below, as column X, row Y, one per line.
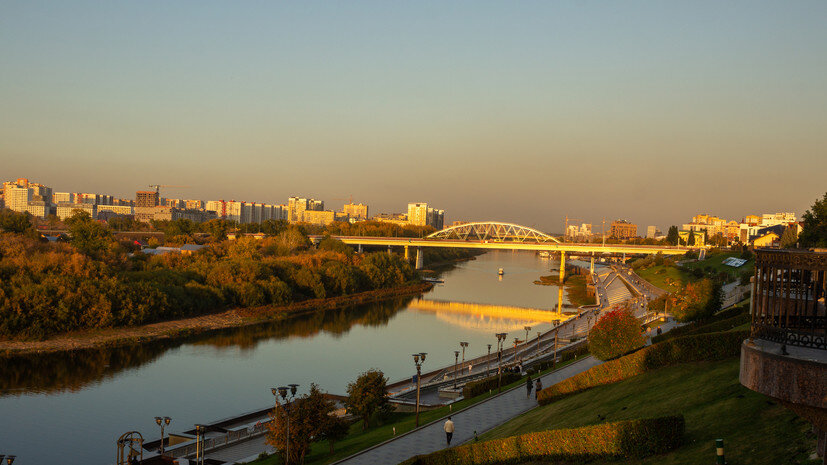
column 231, row 437
column 788, row 303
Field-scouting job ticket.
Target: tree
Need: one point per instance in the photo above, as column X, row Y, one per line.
column 615, row 333
column 334, row 430
column 789, row 238
column 814, row 233
column 309, row 416
column 672, row 235
column 698, row 300
column 367, row 395
column 88, row 236
column 19, row 223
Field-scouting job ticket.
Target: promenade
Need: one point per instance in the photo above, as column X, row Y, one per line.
column 480, row 417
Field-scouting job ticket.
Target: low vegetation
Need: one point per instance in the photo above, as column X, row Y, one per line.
column 756, row 430
column 703, row 347
column 622, row 439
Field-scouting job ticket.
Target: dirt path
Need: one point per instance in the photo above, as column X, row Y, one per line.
column 188, row 326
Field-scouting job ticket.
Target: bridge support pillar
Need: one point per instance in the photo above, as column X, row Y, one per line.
column 562, row 279
column 359, row 248
column 419, row 258
column 624, row 257
column 389, row 250
column 591, row 266
column 407, row 254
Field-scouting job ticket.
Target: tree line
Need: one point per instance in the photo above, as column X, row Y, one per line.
column 93, row 281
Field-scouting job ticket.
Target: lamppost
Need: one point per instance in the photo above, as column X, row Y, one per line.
column 199, row 444
column 516, row 341
column 488, row 362
column 162, row 421
column 527, row 329
column 500, row 339
column 456, row 363
column 463, row 345
column 9, row 459
column 419, row 359
column 283, row 392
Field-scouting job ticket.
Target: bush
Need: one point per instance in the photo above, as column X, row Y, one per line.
column 615, row 333
column 702, row 347
column 622, row 439
column 475, row 388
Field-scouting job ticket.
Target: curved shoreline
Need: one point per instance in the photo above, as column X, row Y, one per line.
column 233, row 318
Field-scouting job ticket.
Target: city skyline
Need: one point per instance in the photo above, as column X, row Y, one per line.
column 522, row 113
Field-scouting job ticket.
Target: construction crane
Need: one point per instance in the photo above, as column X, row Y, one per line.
column 159, row 186
column 349, row 199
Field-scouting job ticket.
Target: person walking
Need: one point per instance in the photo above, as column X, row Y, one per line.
column 449, row 430
column 528, row 386
column 537, row 388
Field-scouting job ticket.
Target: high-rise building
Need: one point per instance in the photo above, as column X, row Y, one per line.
column 147, row 199
column 319, row 217
column 356, row 211
column 419, row 214
column 17, row 194
column 192, row 204
column 217, row 206
column 67, row 209
column 651, row 232
column 233, row 210
column 622, row 229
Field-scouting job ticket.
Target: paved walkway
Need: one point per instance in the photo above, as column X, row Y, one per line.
column 480, row 417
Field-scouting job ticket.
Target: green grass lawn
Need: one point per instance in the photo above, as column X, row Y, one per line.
column 755, row 429
column 358, row 440
column 665, row 277
column 671, row 278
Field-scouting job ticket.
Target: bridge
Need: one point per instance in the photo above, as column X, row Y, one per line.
column 504, row 236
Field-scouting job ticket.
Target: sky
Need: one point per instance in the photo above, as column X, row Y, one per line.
column 512, row 111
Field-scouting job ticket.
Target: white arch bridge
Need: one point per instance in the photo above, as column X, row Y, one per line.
column 493, row 231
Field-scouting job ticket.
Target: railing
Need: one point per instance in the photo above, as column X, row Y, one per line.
column 231, row 437
column 788, row 303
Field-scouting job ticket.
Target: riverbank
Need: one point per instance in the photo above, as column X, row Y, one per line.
column 234, row 318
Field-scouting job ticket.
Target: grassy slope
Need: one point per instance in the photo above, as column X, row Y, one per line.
column 403, row 422
column 755, row 429
column 658, row 275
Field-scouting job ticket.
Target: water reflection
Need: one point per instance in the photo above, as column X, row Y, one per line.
column 75, row 370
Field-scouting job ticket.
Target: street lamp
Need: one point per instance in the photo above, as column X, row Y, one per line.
column 284, row 391
column 500, row 339
column 199, row 443
column 419, row 359
column 516, row 341
column 538, row 343
column 9, row 459
column 456, row 362
column 488, row 362
column 463, row 345
column 527, row 329
column 162, row 421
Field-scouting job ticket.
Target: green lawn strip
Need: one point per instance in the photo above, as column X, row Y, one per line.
column 358, row 440
column 659, row 275
column 756, row 430
column 716, row 262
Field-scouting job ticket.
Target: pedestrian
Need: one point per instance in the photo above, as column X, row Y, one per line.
column 528, row 386
column 449, row 430
column 538, row 386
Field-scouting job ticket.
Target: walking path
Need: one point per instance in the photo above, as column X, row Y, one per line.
column 480, row 417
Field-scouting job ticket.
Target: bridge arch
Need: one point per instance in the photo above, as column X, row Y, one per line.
column 493, row 231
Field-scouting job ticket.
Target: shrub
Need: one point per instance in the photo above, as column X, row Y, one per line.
column 622, row 439
column 712, row 346
column 475, row 388
column 615, row 333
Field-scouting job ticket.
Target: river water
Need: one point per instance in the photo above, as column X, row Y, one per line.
column 71, row 409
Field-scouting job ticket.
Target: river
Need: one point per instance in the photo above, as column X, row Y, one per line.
column 72, row 408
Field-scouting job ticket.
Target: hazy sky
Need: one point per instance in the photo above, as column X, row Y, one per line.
column 515, row 111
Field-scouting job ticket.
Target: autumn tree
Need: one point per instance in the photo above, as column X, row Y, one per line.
column 334, row 430
column 367, row 395
column 789, row 238
column 698, row 300
column 617, row 332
